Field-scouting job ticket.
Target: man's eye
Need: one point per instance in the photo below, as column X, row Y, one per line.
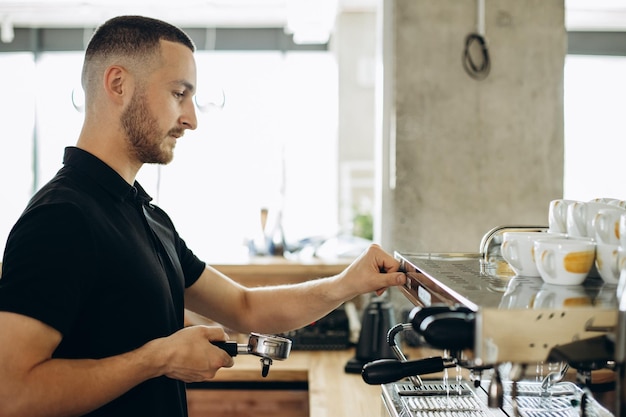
column 179, row 94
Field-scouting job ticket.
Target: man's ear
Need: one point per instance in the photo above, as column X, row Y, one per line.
column 117, row 83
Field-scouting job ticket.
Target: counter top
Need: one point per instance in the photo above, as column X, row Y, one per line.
column 271, row 270
column 331, row 391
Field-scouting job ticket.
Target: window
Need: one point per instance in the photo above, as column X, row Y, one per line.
column 17, row 121
column 595, row 130
column 277, row 130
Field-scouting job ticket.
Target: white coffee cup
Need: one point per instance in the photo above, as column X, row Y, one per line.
column 563, row 261
column 622, row 230
column 580, row 217
column 621, row 262
column 607, row 262
column 621, row 258
column 557, row 215
column 602, row 200
column 606, row 224
column 618, row 203
column 558, row 296
column 518, row 250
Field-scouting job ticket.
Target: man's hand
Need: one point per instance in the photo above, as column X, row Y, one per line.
column 374, row 270
column 189, row 354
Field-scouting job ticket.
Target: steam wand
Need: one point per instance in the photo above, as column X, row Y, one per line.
column 383, row 371
column 391, row 340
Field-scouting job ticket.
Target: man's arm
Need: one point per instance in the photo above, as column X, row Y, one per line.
column 277, row 309
column 34, row 384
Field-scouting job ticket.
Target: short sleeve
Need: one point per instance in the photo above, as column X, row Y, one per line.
column 47, row 268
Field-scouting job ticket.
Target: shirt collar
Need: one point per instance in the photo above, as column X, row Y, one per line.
column 104, row 175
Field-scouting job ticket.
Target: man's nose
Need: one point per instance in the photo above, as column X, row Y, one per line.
column 189, row 119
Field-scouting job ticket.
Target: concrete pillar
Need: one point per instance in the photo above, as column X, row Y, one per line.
column 458, row 156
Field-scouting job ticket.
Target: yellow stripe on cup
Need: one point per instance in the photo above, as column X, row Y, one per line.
column 576, row 302
column 578, row 262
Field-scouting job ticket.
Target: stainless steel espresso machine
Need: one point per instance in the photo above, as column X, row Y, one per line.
column 507, row 341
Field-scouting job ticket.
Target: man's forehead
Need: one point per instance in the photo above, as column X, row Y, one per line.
column 178, row 62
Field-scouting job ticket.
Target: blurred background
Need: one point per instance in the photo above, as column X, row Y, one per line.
column 288, row 109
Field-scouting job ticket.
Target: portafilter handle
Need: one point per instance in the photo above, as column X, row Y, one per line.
column 232, row 348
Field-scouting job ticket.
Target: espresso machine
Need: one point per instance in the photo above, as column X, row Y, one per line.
column 507, row 342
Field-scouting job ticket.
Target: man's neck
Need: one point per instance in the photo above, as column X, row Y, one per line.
column 113, row 154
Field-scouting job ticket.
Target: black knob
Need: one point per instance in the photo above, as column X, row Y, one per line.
column 445, row 327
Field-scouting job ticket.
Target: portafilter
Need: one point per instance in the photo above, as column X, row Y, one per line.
column 267, row 347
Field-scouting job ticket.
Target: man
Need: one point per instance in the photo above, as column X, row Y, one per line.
column 95, row 278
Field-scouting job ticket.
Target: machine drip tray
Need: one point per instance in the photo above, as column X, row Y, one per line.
column 438, row 398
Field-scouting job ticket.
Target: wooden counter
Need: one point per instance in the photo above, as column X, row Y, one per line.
column 270, row 270
column 307, row 384
column 331, row 391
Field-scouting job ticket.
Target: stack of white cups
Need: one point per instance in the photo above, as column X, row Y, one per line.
column 609, row 227
column 598, row 220
column 583, row 238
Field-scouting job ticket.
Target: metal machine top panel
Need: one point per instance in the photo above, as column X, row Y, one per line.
column 544, row 315
column 469, row 280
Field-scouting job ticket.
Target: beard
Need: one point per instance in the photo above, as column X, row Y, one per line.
column 146, row 141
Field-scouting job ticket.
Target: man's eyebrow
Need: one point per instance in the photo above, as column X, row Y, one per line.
column 189, row 86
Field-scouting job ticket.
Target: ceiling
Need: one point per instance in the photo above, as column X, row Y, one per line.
column 580, row 14
column 233, row 13
column 311, row 20
column 608, row 15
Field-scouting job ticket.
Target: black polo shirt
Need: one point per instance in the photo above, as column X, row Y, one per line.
column 91, row 257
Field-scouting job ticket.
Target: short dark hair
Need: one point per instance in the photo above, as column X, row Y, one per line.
column 132, row 36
